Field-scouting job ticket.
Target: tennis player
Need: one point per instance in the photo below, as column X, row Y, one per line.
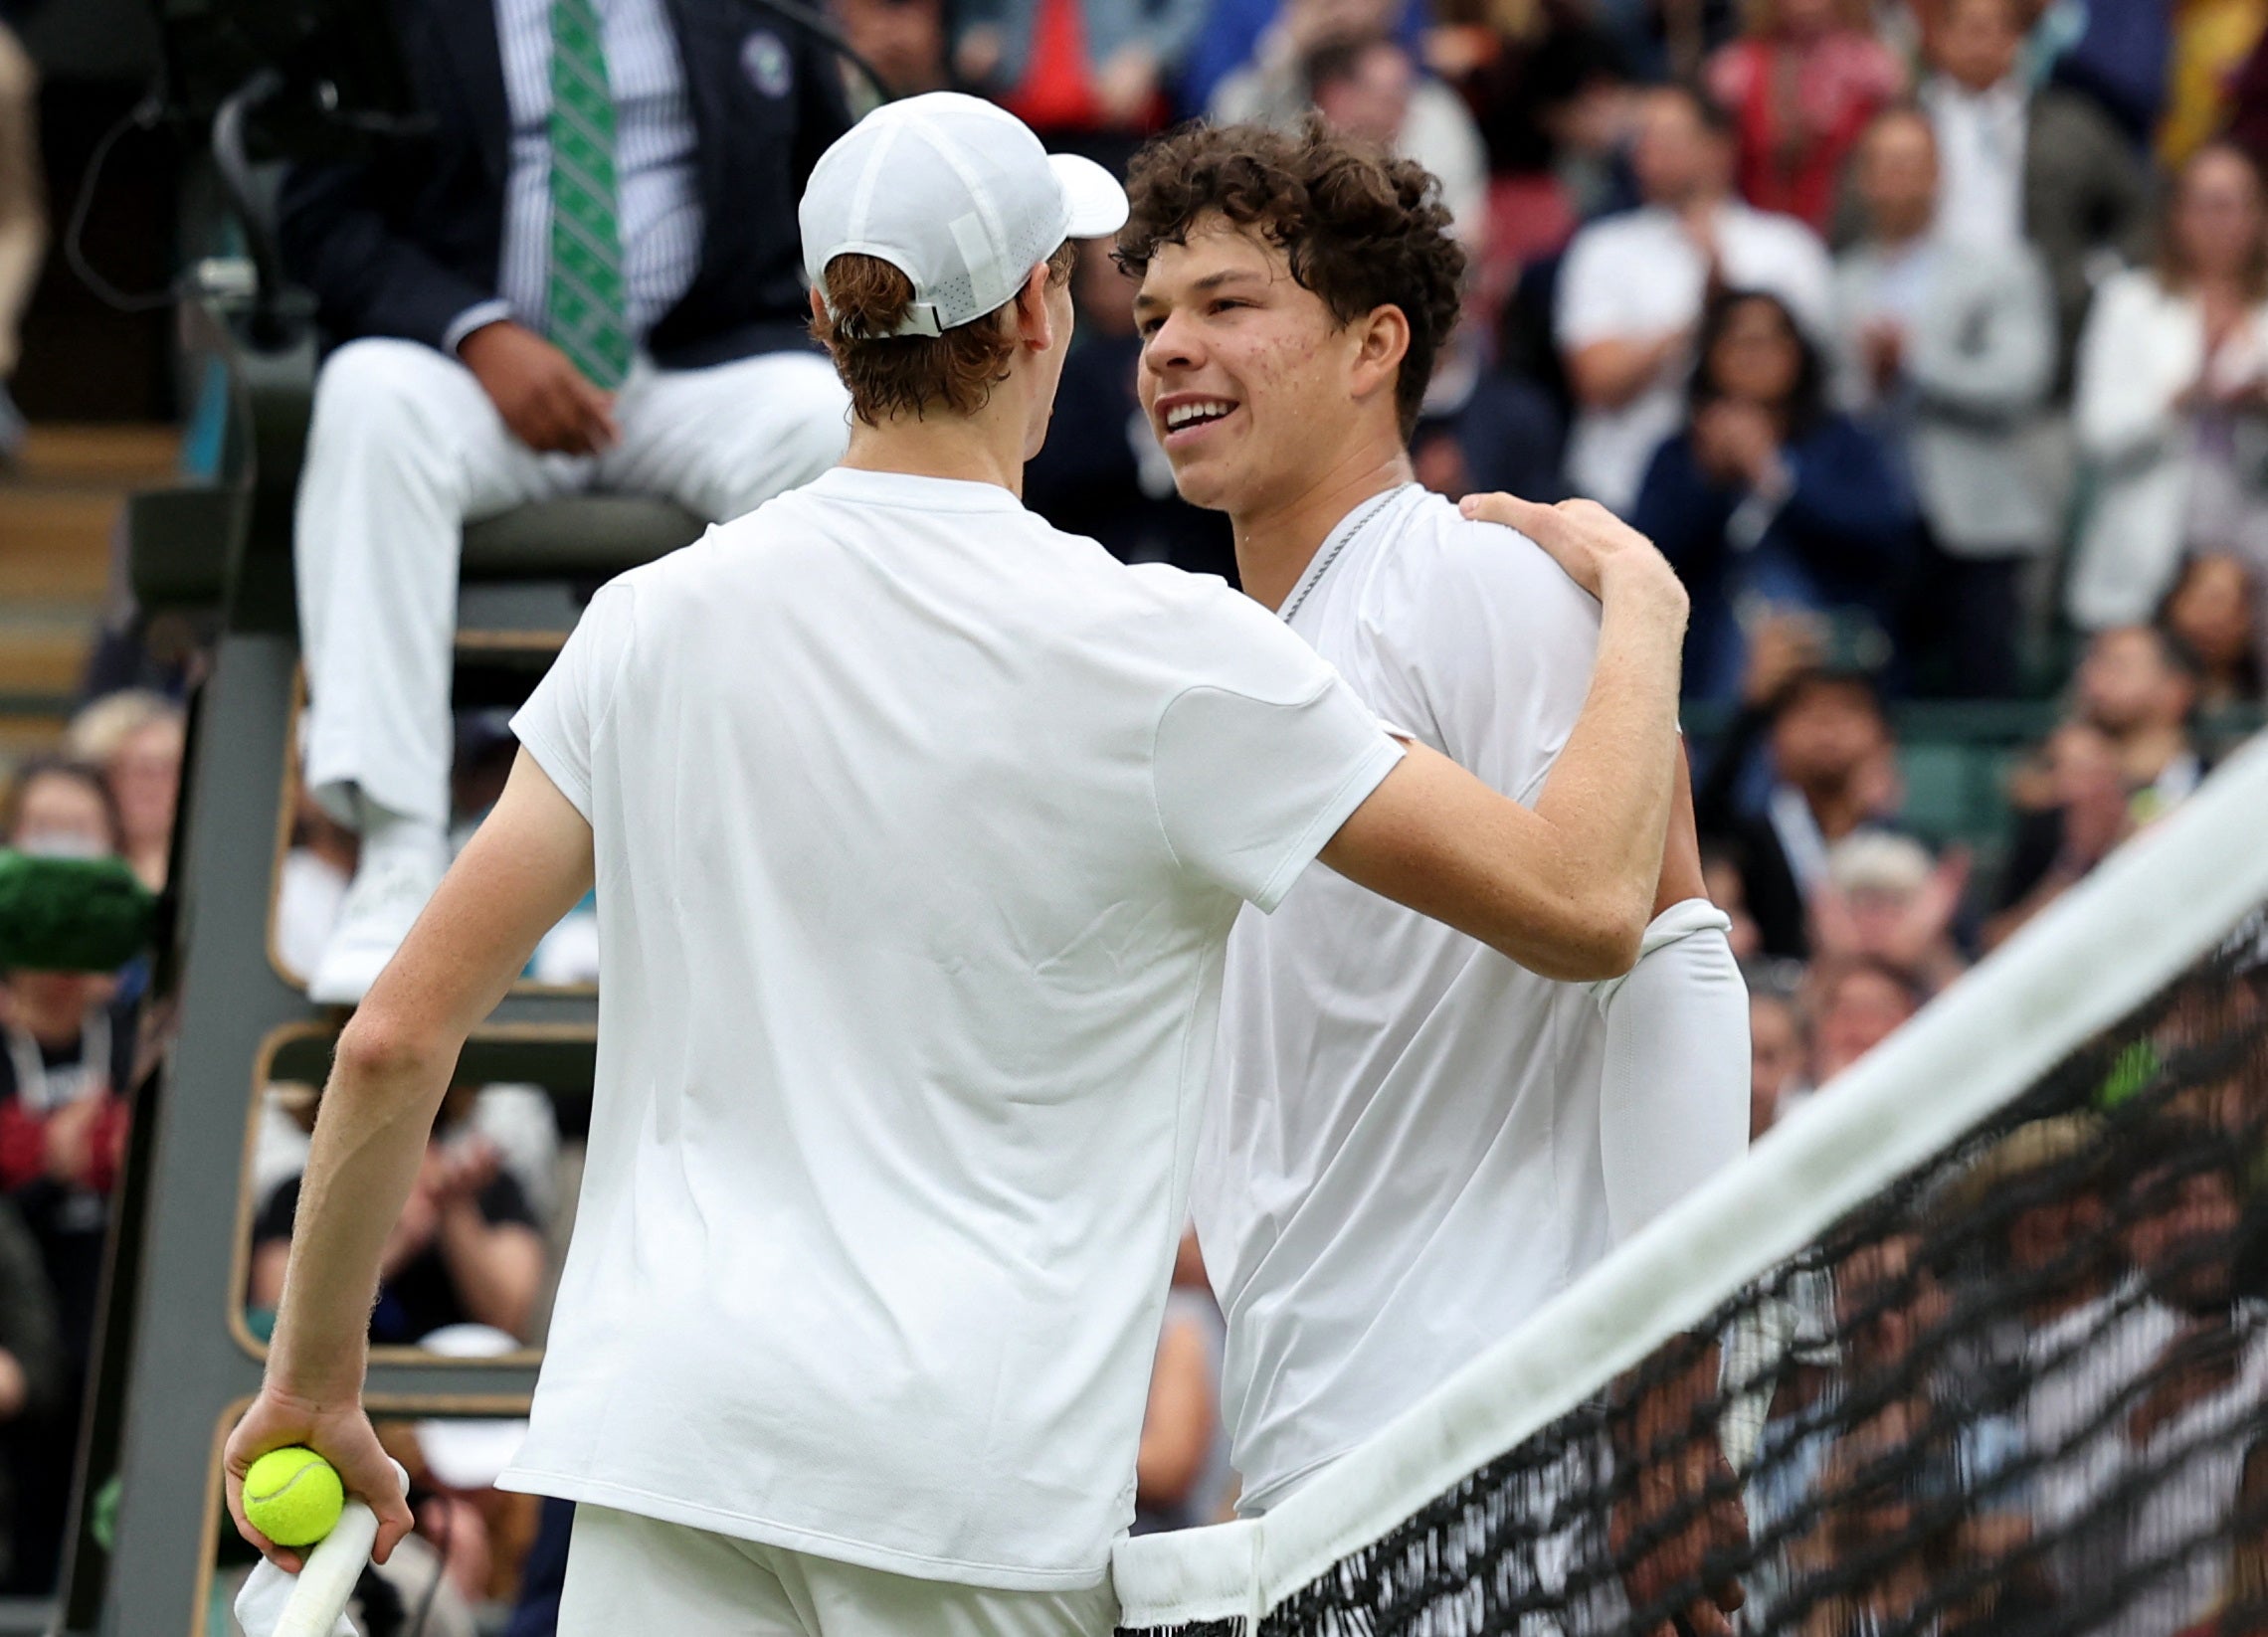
column 917, row 829
column 1415, row 1141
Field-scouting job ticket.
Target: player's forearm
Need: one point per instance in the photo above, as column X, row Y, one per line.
column 369, row 1141
column 1609, row 794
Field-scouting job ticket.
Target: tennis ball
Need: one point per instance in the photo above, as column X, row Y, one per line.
column 292, row 1496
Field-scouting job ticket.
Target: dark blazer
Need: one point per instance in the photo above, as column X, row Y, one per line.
column 400, row 243
column 2084, row 191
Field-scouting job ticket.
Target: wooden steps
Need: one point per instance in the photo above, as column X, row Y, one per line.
column 59, row 511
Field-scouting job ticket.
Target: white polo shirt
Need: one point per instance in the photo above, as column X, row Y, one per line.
column 1401, row 1160
column 920, row 828
column 1638, row 276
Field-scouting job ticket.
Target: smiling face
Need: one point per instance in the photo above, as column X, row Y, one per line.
column 1247, row 376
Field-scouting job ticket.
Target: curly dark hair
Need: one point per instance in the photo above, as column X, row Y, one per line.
column 1361, row 228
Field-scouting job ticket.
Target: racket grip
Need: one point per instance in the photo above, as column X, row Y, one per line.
column 327, row 1580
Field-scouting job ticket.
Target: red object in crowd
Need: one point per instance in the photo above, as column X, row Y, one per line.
column 1057, row 89
column 23, row 1145
column 1799, row 110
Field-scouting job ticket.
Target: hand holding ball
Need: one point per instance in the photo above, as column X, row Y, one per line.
column 292, row 1496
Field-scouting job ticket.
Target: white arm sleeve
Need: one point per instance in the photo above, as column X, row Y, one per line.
column 1674, row 1106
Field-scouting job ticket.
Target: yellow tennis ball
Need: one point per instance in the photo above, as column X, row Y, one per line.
column 292, row 1496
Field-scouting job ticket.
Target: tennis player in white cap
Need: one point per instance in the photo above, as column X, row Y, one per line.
column 919, row 829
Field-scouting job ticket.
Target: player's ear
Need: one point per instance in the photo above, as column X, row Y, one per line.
column 1382, row 341
column 1034, row 326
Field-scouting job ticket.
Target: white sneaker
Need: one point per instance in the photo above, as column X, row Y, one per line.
column 389, row 888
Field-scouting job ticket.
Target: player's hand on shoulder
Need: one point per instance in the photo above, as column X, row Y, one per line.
column 1599, row 552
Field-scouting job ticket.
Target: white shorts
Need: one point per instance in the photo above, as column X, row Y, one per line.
column 632, row 1574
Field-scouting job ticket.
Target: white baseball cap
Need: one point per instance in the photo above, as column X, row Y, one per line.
column 956, row 194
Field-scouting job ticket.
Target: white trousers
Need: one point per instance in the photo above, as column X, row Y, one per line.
column 405, row 448
column 632, row 1574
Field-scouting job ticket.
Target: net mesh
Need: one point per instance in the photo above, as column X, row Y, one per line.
column 2023, row 1389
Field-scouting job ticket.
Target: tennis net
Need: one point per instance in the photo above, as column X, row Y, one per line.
column 1976, row 1341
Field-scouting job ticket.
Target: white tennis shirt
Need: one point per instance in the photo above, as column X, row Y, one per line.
column 1402, row 1158
column 920, row 828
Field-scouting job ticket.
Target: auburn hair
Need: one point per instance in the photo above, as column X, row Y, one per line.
column 890, row 375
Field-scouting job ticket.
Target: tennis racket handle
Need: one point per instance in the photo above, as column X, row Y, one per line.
column 326, row 1580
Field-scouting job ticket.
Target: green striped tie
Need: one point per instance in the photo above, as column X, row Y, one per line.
column 589, row 304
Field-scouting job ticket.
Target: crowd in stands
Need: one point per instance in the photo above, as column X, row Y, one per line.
column 76, row 1046
column 1929, row 339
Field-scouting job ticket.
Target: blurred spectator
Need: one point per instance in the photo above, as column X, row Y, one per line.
column 2137, row 687
column 1634, row 287
column 1372, row 87
column 905, row 39
column 1369, row 83
column 2186, row 1435
column 138, row 737
column 1275, row 35
column 60, row 807
column 1834, row 770
column 2125, row 761
column 1948, row 351
column 466, row 1250
column 68, row 1056
column 543, row 1572
column 2021, row 163
column 482, row 1532
column 23, row 221
column 32, row 1378
column 486, row 361
column 2171, row 409
column 1551, row 95
column 1779, row 1051
column 2246, row 122
column 1885, row 898
column 2076, row 812
column 2118, row 53
column 1721, row 876
column 2211, row 41
column 1073, row 68
column 1181, row 1470
column 1858, row 1002
column 1485, row 430
column 1101, row 472
column 2215, row 611
column 517, row 1121
column 1770, row 501
column 2241, row 1608
column 1801, row 86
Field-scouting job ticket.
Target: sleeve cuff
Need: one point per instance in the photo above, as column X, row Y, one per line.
column 1682, row 919
column 535, row 735
column 1366, row 776
column 473, row 317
